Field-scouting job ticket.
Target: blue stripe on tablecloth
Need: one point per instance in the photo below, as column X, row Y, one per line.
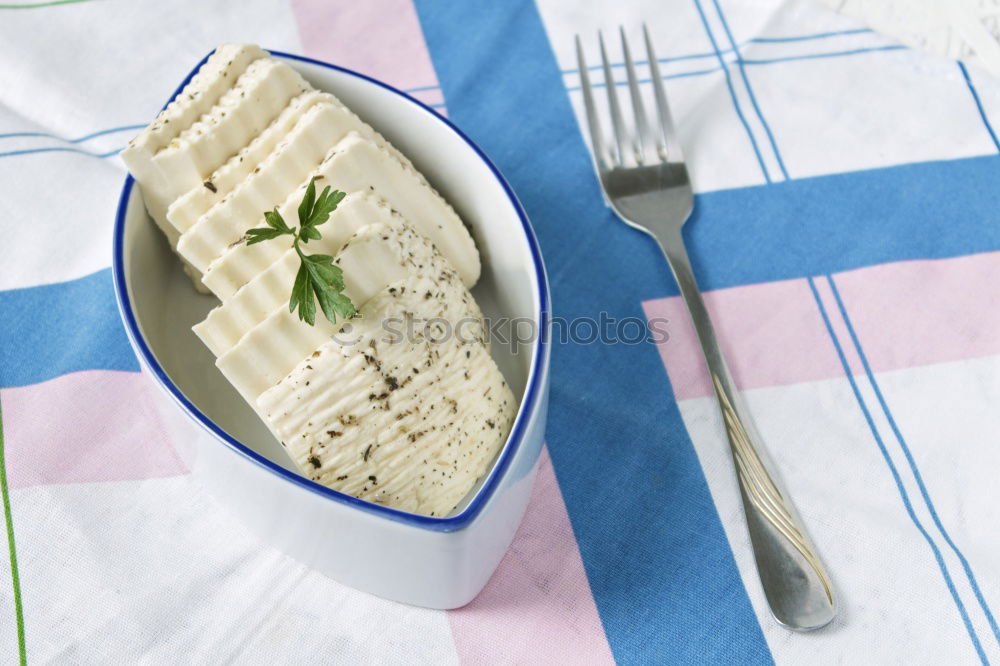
column 747, row 61
column 803, row 38
column 746, row 82
column 64, row 149
column 643, row 61
column 979, row 105
column 828, row 224
column 911, row 463
column 750, row 235
column 58, row 149
column 896, row 476
column 663, row 577
column 86, row 137
column 815, row 56
column 756, row 40
column 60, row 328
column 665, row 77
column 732, row 89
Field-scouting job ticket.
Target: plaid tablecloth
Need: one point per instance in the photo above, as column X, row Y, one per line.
column 847, row 231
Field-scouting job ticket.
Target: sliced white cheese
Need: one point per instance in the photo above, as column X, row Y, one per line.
column 202, row 92
column 270, row 183
column 373, row 258
column 186, row 210
column 212, row 79
column 269, row 289
column 259, row 95
column 356, row 163
column 409, row 422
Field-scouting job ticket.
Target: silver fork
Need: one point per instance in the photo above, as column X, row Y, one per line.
column 646, row 183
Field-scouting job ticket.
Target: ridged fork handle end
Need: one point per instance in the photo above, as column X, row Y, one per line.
column 795, row 582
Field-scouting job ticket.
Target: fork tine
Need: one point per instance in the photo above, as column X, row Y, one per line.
column 593, row 123
column 616, row 113
column 668, row 145
column 641, row 128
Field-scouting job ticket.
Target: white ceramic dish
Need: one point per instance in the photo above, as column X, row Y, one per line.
column 432, row 562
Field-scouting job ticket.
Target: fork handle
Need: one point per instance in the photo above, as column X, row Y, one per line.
column 795, row 582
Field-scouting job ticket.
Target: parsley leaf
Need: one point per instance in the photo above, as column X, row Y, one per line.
column 318, row 278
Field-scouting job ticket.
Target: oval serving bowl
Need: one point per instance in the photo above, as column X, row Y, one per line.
column 431, row 562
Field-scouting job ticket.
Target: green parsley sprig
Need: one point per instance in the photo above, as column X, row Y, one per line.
column 317, row 277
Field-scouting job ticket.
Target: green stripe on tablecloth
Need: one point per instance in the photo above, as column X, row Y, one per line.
column 35, row 5
column 13, row 550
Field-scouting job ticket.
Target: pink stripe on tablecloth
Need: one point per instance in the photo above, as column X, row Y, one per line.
column 537, row 608
column 99, row 425
column 771, row 334
column 906, row 314
column 915, row 313
column 381, row 38
column 430, row 97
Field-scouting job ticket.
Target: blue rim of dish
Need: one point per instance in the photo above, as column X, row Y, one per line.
column 532, row 391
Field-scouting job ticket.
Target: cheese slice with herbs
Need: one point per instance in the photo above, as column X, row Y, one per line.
column 376, row 256
column 270, row 289
column 254, row 99
column 268, row 185
column 356, row 163
column 201, row 93
column 257, row 98
column 405, row 421
column 198, row 97
column 186, row 209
